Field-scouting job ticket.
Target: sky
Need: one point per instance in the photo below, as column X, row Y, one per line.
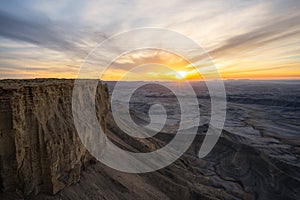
column 249, row 39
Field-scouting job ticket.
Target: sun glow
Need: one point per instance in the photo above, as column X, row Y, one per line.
column 181, row 74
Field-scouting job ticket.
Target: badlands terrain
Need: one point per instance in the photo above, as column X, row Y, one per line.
column 256, row 157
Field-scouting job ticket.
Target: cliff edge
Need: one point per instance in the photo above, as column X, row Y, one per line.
column 39, row 147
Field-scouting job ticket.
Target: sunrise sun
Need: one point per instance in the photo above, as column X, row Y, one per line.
column 181, row 74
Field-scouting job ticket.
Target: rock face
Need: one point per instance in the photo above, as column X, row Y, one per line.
column 41, row 154
column 39, row 147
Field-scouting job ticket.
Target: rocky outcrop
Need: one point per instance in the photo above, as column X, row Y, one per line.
column 39, row 147
column 41, row 154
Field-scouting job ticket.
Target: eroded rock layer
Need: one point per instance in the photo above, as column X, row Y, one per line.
column 39, row 147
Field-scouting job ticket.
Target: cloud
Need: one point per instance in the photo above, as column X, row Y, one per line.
column 62, row 33
column 42, row 34
column 274, row 31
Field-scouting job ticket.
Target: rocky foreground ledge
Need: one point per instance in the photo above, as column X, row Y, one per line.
column 41, row 156
column 39, row 147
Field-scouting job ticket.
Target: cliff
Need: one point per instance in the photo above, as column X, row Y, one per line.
column 41, row 156
column 39, row 147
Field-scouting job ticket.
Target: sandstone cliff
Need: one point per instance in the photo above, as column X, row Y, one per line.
column 39, row 147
